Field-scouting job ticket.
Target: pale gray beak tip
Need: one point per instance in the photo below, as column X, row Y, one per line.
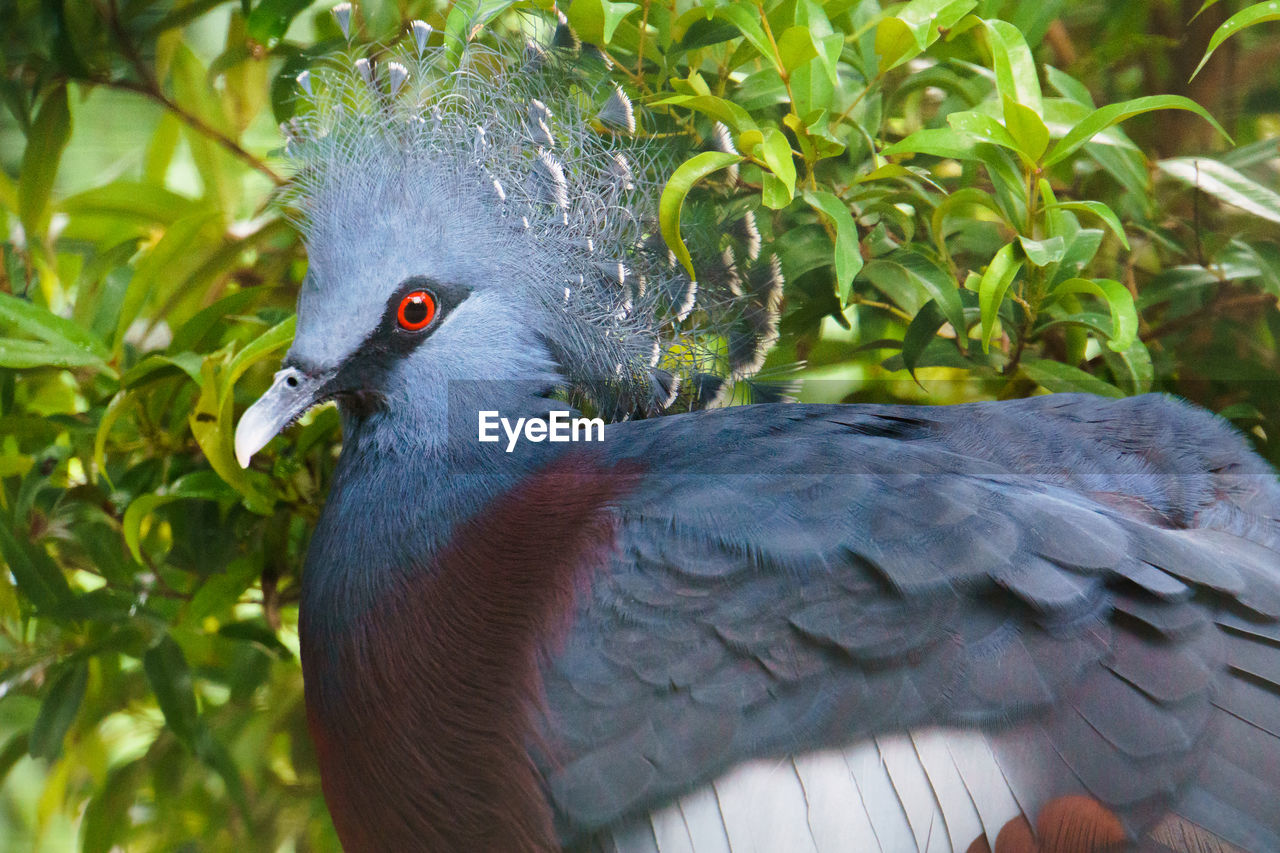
column 292, row 393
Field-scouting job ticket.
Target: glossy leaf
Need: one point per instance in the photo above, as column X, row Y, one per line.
column 982, row 127
column 1098, row 209
column 936, row 141
column 1132, row 367
column 45, row 144
column 1027, row 129
column 734, row 117
column 920, row 333
column 673, row 195
column 1226, row 184
column 159, row 270
column 776, row 151
column 203, row 485
column 1124, row 315
column 170, row 679
column 796, row 47
column 848, row 257
column 747, row 19
column 1041, row 253
column 1249, row 16
column 1014, row 66
column 270, row 18
column 1059, row 377
column 38, row 576
column 999, row 274
column 25, row 316
column 915, row 26
column 58, row 711
column 1112, row 114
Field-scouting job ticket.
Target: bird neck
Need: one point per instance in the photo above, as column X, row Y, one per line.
column 407, row 476
column 433, row 585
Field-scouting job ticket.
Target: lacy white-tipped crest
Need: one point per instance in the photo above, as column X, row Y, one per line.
column 507, row 174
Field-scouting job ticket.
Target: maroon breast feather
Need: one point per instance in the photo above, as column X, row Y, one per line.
column 423, row 742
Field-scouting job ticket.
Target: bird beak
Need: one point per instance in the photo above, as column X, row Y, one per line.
column 289, row 397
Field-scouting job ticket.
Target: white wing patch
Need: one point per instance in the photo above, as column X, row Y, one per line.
column 934, row 790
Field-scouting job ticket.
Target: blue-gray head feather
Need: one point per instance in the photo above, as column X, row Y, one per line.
column 522, row 181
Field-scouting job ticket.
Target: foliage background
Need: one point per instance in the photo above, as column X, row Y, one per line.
column 907, row 163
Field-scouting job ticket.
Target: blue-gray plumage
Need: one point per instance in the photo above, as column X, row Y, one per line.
column 762, row 627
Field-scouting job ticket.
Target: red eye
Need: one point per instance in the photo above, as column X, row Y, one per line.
column 416, row 311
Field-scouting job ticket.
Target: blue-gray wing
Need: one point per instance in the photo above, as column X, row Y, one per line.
column 1094, row 585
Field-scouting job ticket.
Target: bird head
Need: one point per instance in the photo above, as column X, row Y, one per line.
column 487, row 219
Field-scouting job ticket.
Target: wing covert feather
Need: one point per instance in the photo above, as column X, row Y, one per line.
column 793, row 578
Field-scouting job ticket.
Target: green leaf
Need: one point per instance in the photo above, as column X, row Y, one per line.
column 981, row 127
column 154, row 362
column 211, row 751
column 920, row 333
column 270, row 19
column 734, row 117
column 13, row 752
column 58, row 711
column 1205, row 5
column 277, row 337
column 38, row 576
column 911, row 279
column 1267, row 257
column 20, row 354
column 1132, row 367
column 895, row 43
column 896, row 171
column 45, row 144
column 139, row 202
column 999, row 274
column 213, row 421
column 1112, row 114
column 776, row 152
column 963, row 197
column 1059, row 377
column 829, row 50
column 747, row 19
column 773, row 192
column 1246, row 17
column 1015, row 68
column 1068, row 86
column 1098, row 209
column 1226, row 184
column 257, row 632
column 119, row 404
column 1081, row 249
column 1084, row 321
column 673, row 195
column 1027, row 128
column 939, row 142
column 157, row 272
column 106, row 818
column 222, row 590
column 796, row 47
column 49, row 327
column 170, row 679
column 205, row 485
column 1124, row 315
column 1043, row 252
column 614, row 14
column 848, row 257
column 914, row 27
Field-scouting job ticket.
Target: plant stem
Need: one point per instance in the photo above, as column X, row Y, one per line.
column 149, row 87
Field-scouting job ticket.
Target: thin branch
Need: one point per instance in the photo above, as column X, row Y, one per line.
column 150, row 88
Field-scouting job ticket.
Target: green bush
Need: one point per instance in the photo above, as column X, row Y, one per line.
column 960, row 202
